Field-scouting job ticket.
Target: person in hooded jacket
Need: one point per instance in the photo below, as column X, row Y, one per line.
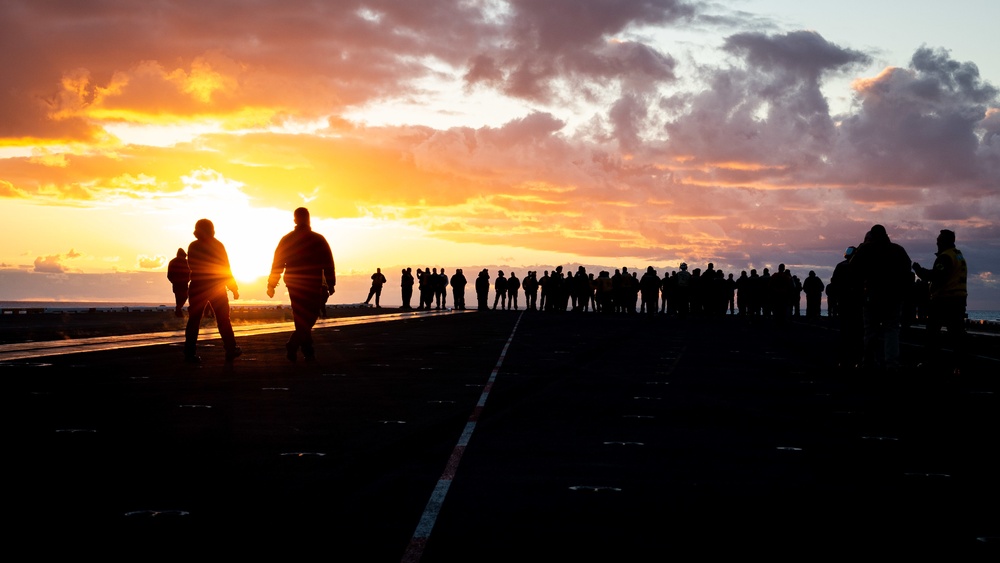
column 883, row 270
column 179, row 275
column 211, row 277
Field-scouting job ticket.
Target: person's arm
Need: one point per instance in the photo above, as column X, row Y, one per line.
column 937, row 272
column 330, row 270
column 277, row 267
column 230, row 280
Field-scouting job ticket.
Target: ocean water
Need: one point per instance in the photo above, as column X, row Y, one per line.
column 988, row 316
column 81, row 306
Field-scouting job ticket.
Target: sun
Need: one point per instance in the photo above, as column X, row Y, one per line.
column 250, row 240
column 249, row 233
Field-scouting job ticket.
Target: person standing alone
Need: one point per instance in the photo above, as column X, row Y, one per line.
column 306, row 260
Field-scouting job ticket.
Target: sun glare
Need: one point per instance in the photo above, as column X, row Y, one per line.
column 249, row 234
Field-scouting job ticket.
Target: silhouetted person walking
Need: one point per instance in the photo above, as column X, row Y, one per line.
column 306, row 260
column 211, row 276
column 949, row 292
column 378, row 280
column 179, row 275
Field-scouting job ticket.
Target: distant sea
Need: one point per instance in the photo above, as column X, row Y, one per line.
column 974, row 315
column 80, row 306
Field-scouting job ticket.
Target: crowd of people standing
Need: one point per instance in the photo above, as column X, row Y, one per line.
column 874, row 291
column 678, row 293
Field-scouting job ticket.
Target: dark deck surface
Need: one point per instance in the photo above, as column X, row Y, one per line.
column 601, row 439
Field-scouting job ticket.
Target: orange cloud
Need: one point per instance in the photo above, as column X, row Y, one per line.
column 53, row 263
column 151, row 262
column 619, row 158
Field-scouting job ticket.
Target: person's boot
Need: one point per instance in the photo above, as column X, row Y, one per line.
column 190, row 357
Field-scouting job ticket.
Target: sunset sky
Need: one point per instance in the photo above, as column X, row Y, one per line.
column 479, row 133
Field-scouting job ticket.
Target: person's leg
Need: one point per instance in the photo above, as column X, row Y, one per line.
column 305, row 311
column 180, row 296
column 199, row 300
column 871, row 335
column 957, row 335
column 220, row 303
column 891, row 323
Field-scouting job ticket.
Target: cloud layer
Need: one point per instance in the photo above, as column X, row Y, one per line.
column 625, row 146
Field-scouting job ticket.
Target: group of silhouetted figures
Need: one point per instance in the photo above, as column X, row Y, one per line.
column 203, row 277
column 432, row 288
column 874, row 291
column 678, row 293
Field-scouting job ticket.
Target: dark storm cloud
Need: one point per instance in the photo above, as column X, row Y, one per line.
column 558, row 40
column 921, row 126
column 804, row 54
column 769, row 109
column 627, row 147
column 627, row 115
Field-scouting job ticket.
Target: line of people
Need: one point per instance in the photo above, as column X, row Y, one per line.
column 678, row 293
column 873, row 291
column 432, row 288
